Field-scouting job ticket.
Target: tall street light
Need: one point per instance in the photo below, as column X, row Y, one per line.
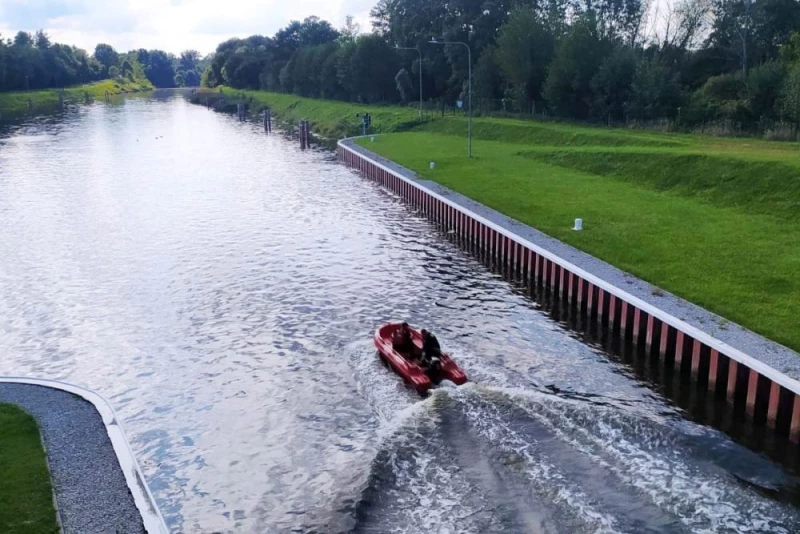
column 469, row 68
column 420, row 74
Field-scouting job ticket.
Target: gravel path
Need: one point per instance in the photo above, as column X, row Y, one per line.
column 91, row 493
column 773, row 354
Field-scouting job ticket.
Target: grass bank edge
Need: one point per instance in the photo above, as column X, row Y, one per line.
column 20, row 102
column 26, row 492
column 332, row 119
column 735, row 263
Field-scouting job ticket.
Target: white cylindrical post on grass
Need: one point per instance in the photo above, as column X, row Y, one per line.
column 433, row 164
column 578, row 225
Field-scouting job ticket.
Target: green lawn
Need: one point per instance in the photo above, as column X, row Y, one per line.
column 26, row 495
column 713, row 220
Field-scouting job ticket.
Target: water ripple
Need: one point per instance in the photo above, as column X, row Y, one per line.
column 221, row 287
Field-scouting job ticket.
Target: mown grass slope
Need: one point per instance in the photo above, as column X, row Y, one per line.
column 712, row 220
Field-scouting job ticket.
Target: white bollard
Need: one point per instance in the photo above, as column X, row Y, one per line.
column 372, row 139
column 433, row 165
column 578, row 225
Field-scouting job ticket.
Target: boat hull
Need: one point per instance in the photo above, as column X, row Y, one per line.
column 407, row 367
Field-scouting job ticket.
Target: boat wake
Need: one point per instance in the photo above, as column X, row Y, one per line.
column 490, row 458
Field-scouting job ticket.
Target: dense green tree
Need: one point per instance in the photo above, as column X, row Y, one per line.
column 191, row 79
column 487, row 80
column 126, row 67
column 655, row 91
column 373, row 65
column 763, row 89
column 23, row 39
column 42, row 41
column 188, row 60
column 525, row 48
column 106, row 55
column 159, row 68
column 612, row 84
column 578, row 57
column 35, row 62
column 790, row 103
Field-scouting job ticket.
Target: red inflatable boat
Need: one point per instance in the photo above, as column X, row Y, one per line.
column 407, row 366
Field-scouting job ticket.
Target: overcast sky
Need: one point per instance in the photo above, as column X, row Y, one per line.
column 171, row 25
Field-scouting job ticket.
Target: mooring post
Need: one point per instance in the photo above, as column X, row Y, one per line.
column 304, row 134
column 267, row 121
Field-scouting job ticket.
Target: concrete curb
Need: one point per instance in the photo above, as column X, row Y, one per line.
column 766, row 394
column 145, row 503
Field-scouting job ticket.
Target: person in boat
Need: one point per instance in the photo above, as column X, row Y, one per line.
column 431, row 350
column 401, row 340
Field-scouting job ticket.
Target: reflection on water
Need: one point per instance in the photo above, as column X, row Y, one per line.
column 221, row 288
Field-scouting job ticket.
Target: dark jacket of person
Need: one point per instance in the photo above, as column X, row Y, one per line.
column 430, row 346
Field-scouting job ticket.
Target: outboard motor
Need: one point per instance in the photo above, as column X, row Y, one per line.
column 435, row 367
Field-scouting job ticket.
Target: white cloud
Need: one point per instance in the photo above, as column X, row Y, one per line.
column 171, row 25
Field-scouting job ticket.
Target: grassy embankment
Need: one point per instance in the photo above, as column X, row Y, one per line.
column 17, row 103
column 26, row 495
column 713, row 220
column 329, row 119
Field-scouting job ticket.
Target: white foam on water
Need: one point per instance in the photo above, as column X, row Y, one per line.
column 392, row 401
column 641, row 451
column 428, row 491
column 643, row 454
column 547, row 482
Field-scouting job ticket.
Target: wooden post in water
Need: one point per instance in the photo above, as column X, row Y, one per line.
column 267, row 121
column 305, row 134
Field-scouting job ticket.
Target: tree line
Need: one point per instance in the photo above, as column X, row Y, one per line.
column 32, row 61
column 696, row 62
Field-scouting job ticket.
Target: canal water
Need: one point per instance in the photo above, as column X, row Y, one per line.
column 221, row 288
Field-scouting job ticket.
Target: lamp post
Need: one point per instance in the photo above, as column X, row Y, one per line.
column 469, row 83
column 420, row 74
